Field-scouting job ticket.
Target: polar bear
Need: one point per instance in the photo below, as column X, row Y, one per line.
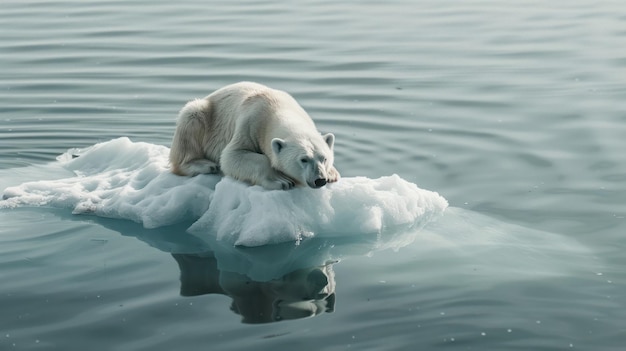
column 254, row 134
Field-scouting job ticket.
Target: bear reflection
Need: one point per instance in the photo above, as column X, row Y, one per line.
column 300, row 294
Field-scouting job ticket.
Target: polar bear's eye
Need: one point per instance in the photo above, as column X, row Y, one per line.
column 304, row 160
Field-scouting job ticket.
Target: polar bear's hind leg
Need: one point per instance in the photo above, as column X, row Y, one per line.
column 187, row 155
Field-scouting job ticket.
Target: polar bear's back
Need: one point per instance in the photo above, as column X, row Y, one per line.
column 259, row 108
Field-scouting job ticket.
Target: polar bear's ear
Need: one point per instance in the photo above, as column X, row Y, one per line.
column 277, row 145
column 329, row 139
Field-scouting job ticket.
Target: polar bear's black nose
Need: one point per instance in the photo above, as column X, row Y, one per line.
column 320, row 182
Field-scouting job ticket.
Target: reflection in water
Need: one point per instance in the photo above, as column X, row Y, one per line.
column 299, row 294
column 266, row 283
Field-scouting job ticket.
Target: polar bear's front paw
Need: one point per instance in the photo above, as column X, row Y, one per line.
column 279, row 181
column 333, row 175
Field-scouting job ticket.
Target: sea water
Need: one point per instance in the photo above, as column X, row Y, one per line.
column 482, row 204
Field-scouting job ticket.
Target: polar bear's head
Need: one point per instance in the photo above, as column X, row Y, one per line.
column 306, row 160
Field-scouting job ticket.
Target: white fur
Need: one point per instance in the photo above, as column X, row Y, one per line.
column 254, row 134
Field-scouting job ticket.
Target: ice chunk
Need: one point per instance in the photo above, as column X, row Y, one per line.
column 120, row 179
column 127, row 180
column 252, row 216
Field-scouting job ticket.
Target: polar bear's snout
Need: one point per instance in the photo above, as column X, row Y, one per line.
column 316, row 183
column 320, row 182
column 317, row 177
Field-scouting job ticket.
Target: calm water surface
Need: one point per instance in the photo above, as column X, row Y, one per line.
column 514, row 111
